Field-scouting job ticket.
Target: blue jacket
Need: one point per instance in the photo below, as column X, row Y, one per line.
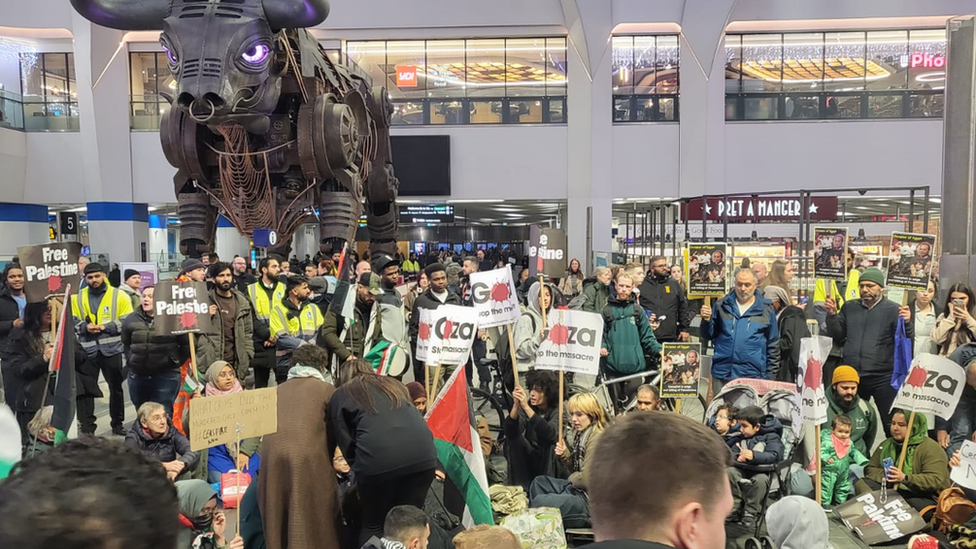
column 745, row 346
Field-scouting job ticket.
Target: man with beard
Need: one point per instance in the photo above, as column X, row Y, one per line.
column 347, row 340
column 242, row 278
column 265, row 295
column 98, row 311
column 865, row 328
column 842, row 399
column 294, row 322
column 231, row 325
column 479, row 349
column 662, row 296
column 437, row 294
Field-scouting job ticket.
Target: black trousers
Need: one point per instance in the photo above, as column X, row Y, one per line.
column 379, row 496
column 879, row 387
column 111, row 368
column 263, row 361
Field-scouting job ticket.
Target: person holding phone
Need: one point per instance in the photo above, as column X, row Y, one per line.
column 956, row 325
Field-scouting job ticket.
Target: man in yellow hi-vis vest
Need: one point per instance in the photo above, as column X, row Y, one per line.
column 294, row 322
column 98, row 310
column 265, row 295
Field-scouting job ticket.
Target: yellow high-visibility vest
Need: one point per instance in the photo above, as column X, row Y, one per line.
column 262, row 303
column 303, row 325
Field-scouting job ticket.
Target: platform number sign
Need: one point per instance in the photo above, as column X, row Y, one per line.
column 265, row 238
column 69, row 223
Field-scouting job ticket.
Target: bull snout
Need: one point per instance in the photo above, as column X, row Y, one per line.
column 203, row 106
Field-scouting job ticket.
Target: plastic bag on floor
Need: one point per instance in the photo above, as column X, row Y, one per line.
column 540, row 528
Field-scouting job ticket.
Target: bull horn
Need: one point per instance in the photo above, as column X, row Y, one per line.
column 294, row 14
column 128, row 15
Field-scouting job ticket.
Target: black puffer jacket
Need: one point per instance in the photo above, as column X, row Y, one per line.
column 25, row 373
column 9, row 312
column 147, row 353
column 171, row 446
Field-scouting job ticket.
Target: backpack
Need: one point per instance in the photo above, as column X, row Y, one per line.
column 951, row 508
column 577, row 302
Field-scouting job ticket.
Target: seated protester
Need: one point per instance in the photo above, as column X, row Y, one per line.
column 837, row 454
column 293, row 323
column 217, row 460
column 484, row 536
column 351, row 514
column 344, row 475
column 203, row 523
column 925, row 472
column 127, row 500
column 757, row 442
column 532, row 429
column 796, row 522
column 528, row 330
column 648, row 398
column 153, row 434
column 405, row 527
column 418, row 395
column 569, row 496
column 627, row 336
column 726, row 419
column 842, row 399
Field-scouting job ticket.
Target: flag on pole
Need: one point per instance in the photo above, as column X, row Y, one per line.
column 10, row 449
column 187, row 386
column 458, row 447
column 63, row 366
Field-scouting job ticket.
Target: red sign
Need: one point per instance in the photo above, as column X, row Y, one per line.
column 762, row 208
column 927, row 61
column 406, row 76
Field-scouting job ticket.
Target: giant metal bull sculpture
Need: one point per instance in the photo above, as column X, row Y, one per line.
column 264, row 128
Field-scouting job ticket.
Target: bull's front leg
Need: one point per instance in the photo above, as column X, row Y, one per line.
column 382, row 184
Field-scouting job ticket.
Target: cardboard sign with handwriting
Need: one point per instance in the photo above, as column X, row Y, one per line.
column 214, row 419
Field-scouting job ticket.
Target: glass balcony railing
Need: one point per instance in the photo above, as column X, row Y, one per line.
column 146, row 110
column 35, row 113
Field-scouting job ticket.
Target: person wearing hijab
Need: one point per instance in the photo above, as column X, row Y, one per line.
column 796, row 522
column 222, row 380
column 925, row 472
column 203, row 523
column 418, row 395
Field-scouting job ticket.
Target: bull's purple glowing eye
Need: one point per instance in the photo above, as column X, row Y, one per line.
column 170, row 55
column 257, row 54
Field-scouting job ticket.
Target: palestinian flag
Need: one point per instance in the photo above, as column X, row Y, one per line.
column 344, row 298
column 63, row 366
column 187, row 386
column 459, row 448
column 387, row 358
column 10, row 449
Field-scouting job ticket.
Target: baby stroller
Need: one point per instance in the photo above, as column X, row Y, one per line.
column 780, row 400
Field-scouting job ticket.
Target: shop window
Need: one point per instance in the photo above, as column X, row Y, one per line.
column 525, row 68
column 50, row 98
column 486, row 68
column 406, row 70
column 645, row 78
column 835, row 75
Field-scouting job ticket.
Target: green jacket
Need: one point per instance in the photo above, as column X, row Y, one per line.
column 627, row 337
column 354, row 343
column 862, row 416
column 210, row 345
column 930, row 470
column 595, row 295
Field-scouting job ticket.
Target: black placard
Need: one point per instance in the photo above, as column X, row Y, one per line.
column 49, row 268
column 181, row 307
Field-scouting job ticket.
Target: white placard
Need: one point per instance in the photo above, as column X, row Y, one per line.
column 965, row 473
column 809, row 381
column 425, row 328
column 933, row 386
column 494, row 297
column 453, row 332
column 571, row 343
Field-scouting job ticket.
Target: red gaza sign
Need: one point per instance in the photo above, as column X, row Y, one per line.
column 406, row 76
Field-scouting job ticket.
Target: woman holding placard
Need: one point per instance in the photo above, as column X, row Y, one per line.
column 222, row 380
column 532, row 429
column 528, row 330
column 925, row 471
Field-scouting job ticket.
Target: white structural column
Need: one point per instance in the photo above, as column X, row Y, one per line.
column 229, row 242
column 119, row 230
column 702, row 109
column 103, row 102
column 590, row 125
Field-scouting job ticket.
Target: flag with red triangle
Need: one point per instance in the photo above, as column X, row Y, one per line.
column 459, row 449
column 63, row 366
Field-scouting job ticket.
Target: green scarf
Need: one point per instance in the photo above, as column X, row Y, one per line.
column 891, row 449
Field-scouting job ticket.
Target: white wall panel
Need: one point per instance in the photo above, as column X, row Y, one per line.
column 827, row 155
column 645, row 160
column 54, row 174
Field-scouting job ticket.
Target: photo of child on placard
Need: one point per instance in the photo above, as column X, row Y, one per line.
column 830, row 252
column 681, row 370
column 707, row 269
column 910, row 260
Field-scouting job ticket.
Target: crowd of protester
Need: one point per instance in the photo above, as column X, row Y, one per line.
column 353, row 463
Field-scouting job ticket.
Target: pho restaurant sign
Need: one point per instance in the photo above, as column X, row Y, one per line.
column 747, row 209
